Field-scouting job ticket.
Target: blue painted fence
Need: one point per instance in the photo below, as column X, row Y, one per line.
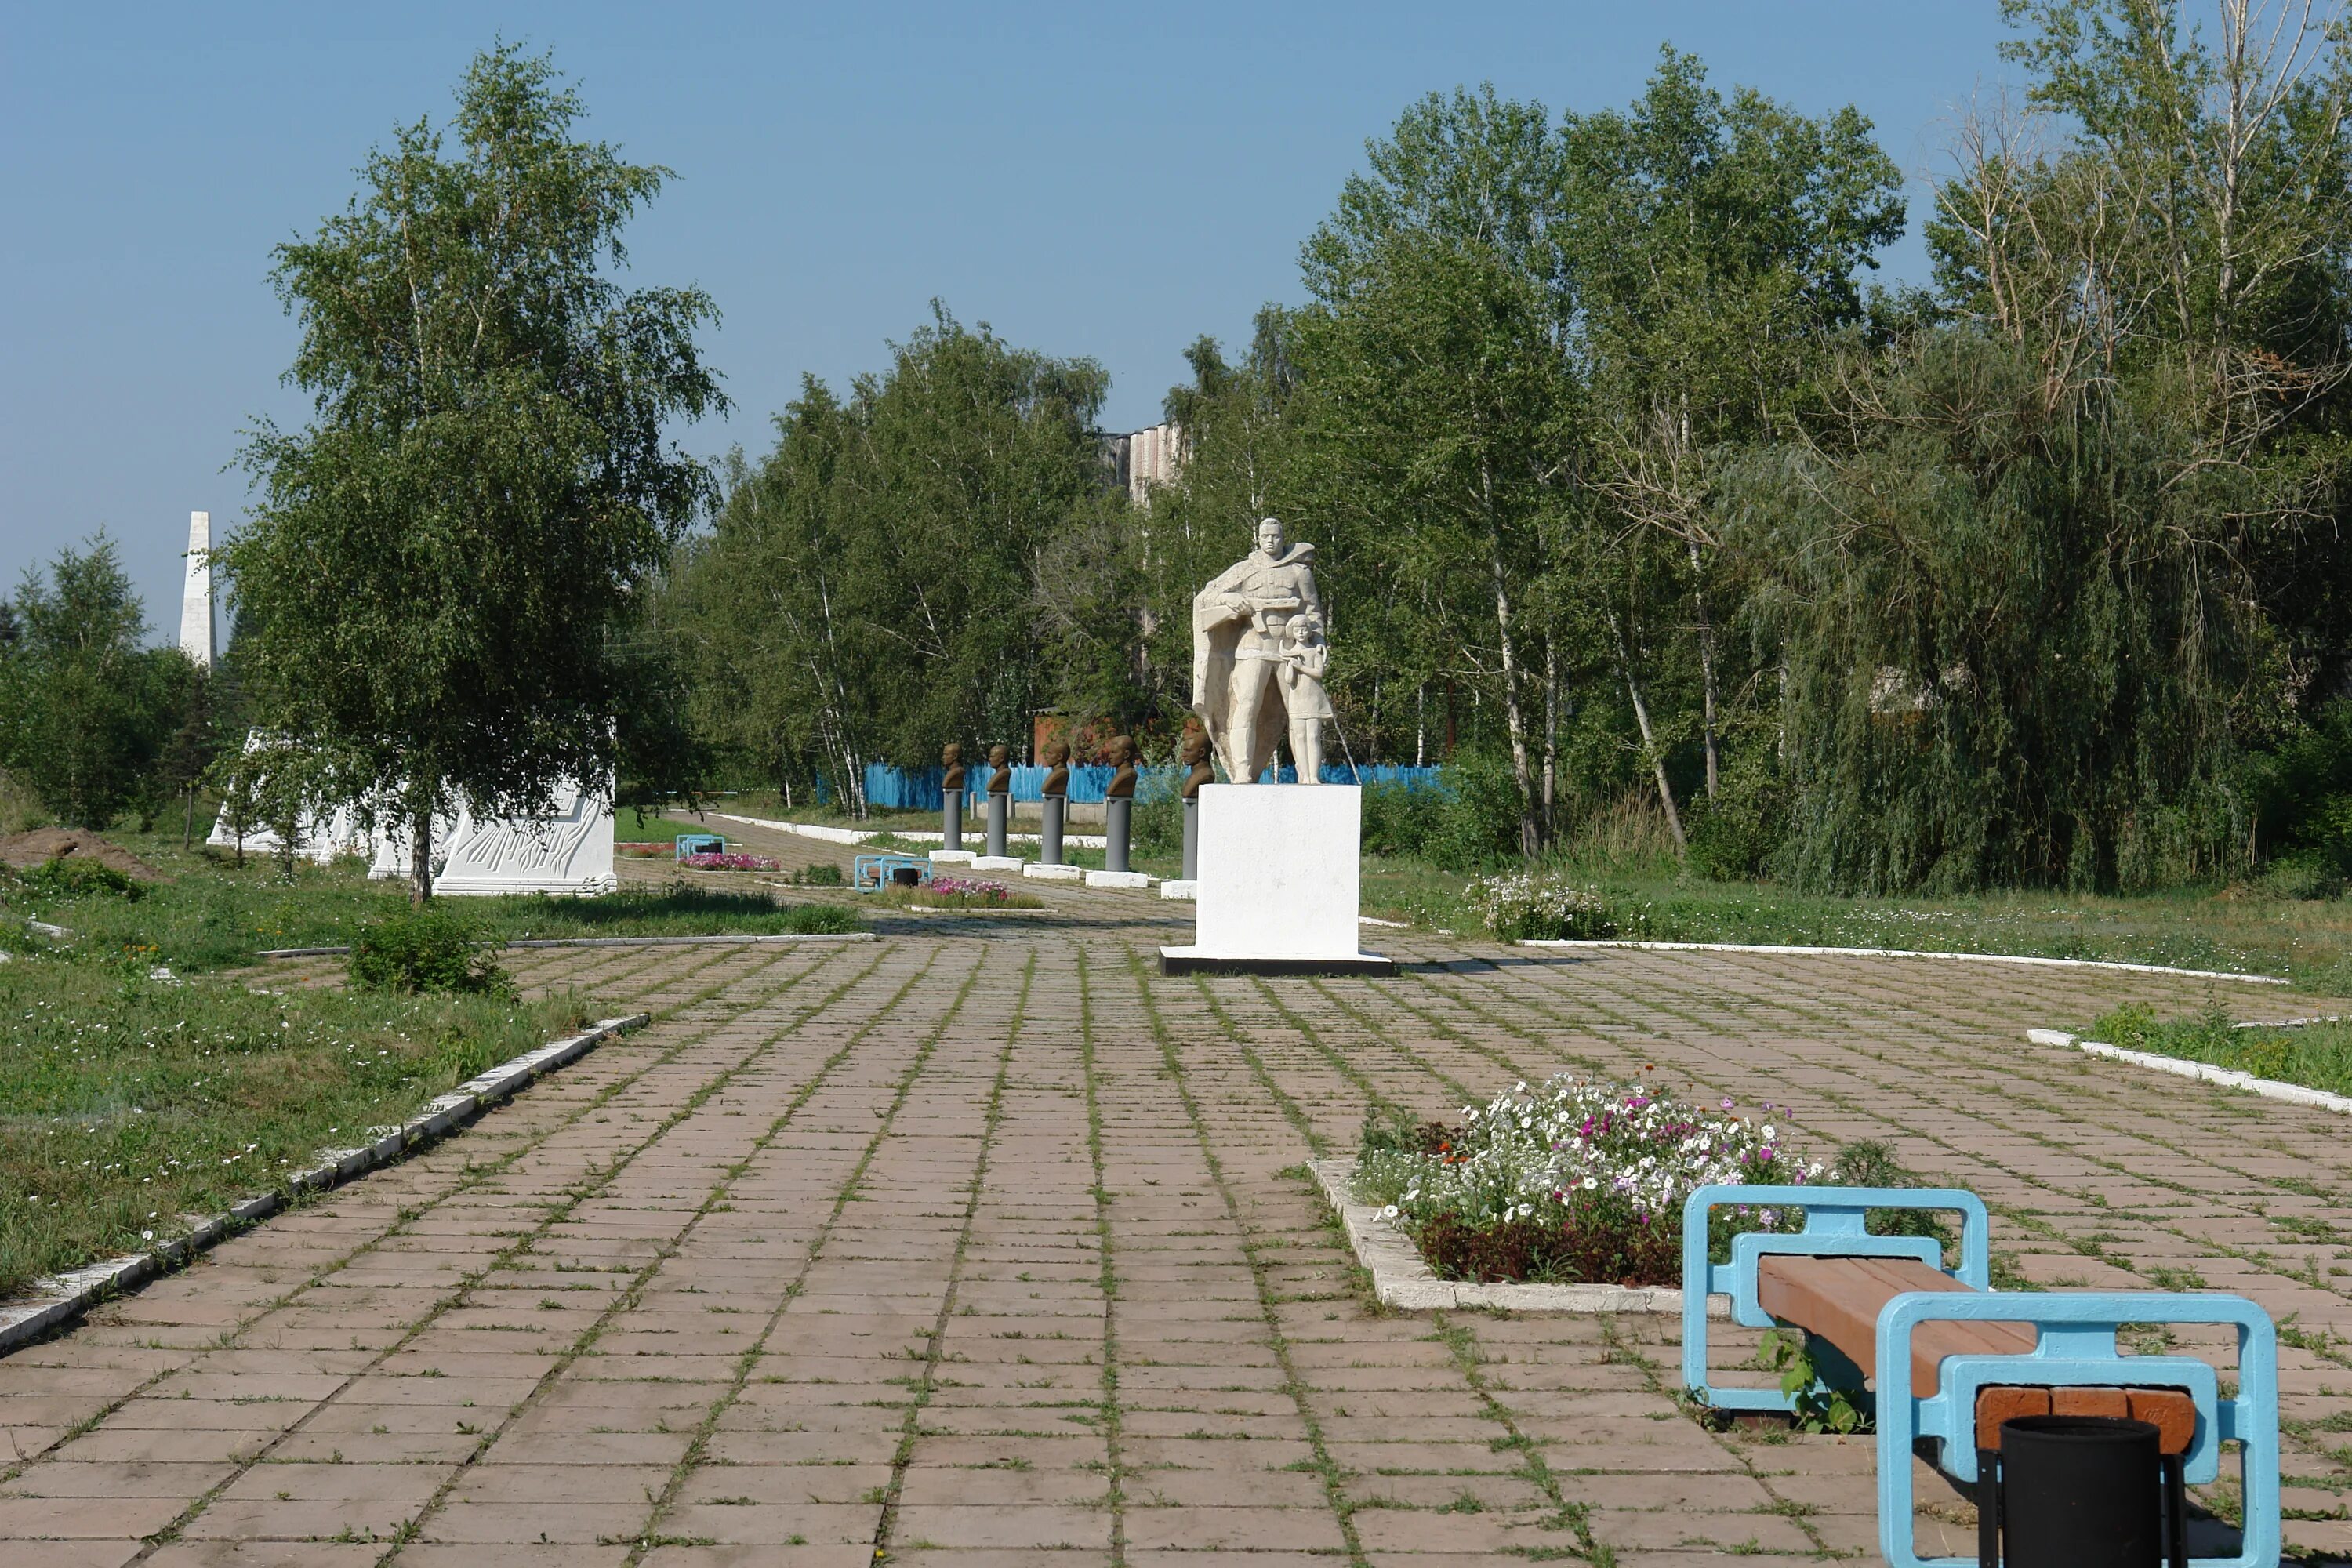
column 918, row 789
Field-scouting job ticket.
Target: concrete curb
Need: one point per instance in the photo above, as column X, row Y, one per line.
column 1902, row 952
column 745, row 939
column 912, row 835
column 1401, row 1279
column 2184, row 1067
column 66, row 1295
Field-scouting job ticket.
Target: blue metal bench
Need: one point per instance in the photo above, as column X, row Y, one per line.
column 2073, row 1346
column 871, row 873
column 699, row 843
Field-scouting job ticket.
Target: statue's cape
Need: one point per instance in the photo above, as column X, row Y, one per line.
column 1216, row 635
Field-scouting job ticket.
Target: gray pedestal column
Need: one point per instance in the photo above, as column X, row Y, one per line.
column 1050, row 837
column 951, row 820
column 1117, row 818
column 999, row 807
column 1192, row 838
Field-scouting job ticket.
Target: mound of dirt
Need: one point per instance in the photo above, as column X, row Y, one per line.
column 27, row 852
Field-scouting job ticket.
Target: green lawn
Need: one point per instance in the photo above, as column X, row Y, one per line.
column 213, row 916
column 2310, row 943
column 128, row 1101
column 2316, row 1056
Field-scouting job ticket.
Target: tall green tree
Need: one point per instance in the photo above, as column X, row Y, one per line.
column 1438, row 403
column 930, row 559
column 1718, row 246
column 447, row 563
column 85, row 708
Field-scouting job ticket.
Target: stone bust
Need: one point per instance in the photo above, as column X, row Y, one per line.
column 1194, row 754
column 1000, row 781
column 1057, row 765
column 951, row 759
column 1120, row 753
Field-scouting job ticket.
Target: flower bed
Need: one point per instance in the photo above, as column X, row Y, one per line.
column 727, row 863
column 642, row 851
column 1572, row 1182
column 1518, row 907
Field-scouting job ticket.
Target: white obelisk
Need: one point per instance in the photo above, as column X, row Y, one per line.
column 196, row 607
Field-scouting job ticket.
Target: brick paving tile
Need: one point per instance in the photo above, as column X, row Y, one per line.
column 983, row 1246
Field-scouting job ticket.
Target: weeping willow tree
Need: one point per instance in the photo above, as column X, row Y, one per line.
column 2016, row 592
column 2005, row 659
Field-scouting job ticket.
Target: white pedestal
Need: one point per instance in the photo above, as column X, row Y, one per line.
column 1042, row 872
column 996, row 862
column 950, row 856
column 1277, row 884
column 1180, row 889
column 1117, row 879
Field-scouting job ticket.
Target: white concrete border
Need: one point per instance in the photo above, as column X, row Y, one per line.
column 1901, row 953
column 1401, row 1279
column 741, row 939
column 2184, row 1067
column 65, row 1297
column 912, row 835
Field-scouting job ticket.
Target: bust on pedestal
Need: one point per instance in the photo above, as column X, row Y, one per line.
column 1276, row 869
column 1193, row 753
column 1118, row 819
column 1056, row 805
column 1000, row 807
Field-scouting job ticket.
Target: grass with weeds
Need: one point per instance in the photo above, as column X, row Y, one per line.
column 2316, row 1056
column 2309, row 942
column 127, row 1103
column 212, row 915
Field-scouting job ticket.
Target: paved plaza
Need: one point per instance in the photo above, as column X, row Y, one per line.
column 984, row 1244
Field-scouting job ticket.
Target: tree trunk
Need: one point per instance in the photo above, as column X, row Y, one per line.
column 420, row 860
column 1551, row 736
column 1513, row 719
column 1649, row 738
column 1706, row 664
column 188, row 828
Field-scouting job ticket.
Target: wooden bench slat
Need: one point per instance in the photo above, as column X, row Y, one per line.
column 2170, row 1411
column 1838, row 1298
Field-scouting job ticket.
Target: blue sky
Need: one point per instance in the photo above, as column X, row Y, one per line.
column 1103, row 181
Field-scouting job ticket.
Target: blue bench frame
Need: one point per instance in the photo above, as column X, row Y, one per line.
column 687, row 843
column 2076, row 1347
column 881, row 866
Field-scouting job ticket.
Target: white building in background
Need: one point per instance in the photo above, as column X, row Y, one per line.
column 1142, row 460
column 197, row 601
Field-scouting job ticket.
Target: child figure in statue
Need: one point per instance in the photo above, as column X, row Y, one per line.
column 1305, row 657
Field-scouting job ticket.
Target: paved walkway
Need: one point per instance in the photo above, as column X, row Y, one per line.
column 983, row 1245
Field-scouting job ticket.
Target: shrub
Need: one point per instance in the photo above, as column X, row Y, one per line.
column 1520, row 906
column 1734, row 836
column 1403, row 820
column 74, row 877
column 431, row 949
column 825, row 874
column 1477, row 826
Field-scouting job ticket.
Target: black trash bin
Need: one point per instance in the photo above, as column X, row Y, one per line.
column 2079, row 1492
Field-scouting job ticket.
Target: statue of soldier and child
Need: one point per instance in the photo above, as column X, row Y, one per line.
column 1259, row 662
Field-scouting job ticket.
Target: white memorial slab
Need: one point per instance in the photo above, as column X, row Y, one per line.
column 569, row 851
column 1278, row 882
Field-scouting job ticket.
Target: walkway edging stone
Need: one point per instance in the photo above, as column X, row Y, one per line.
column 1785, row 951
column 2185, row 1067
column 715, row 939
column 67, row 1295
column 1401, row 1281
